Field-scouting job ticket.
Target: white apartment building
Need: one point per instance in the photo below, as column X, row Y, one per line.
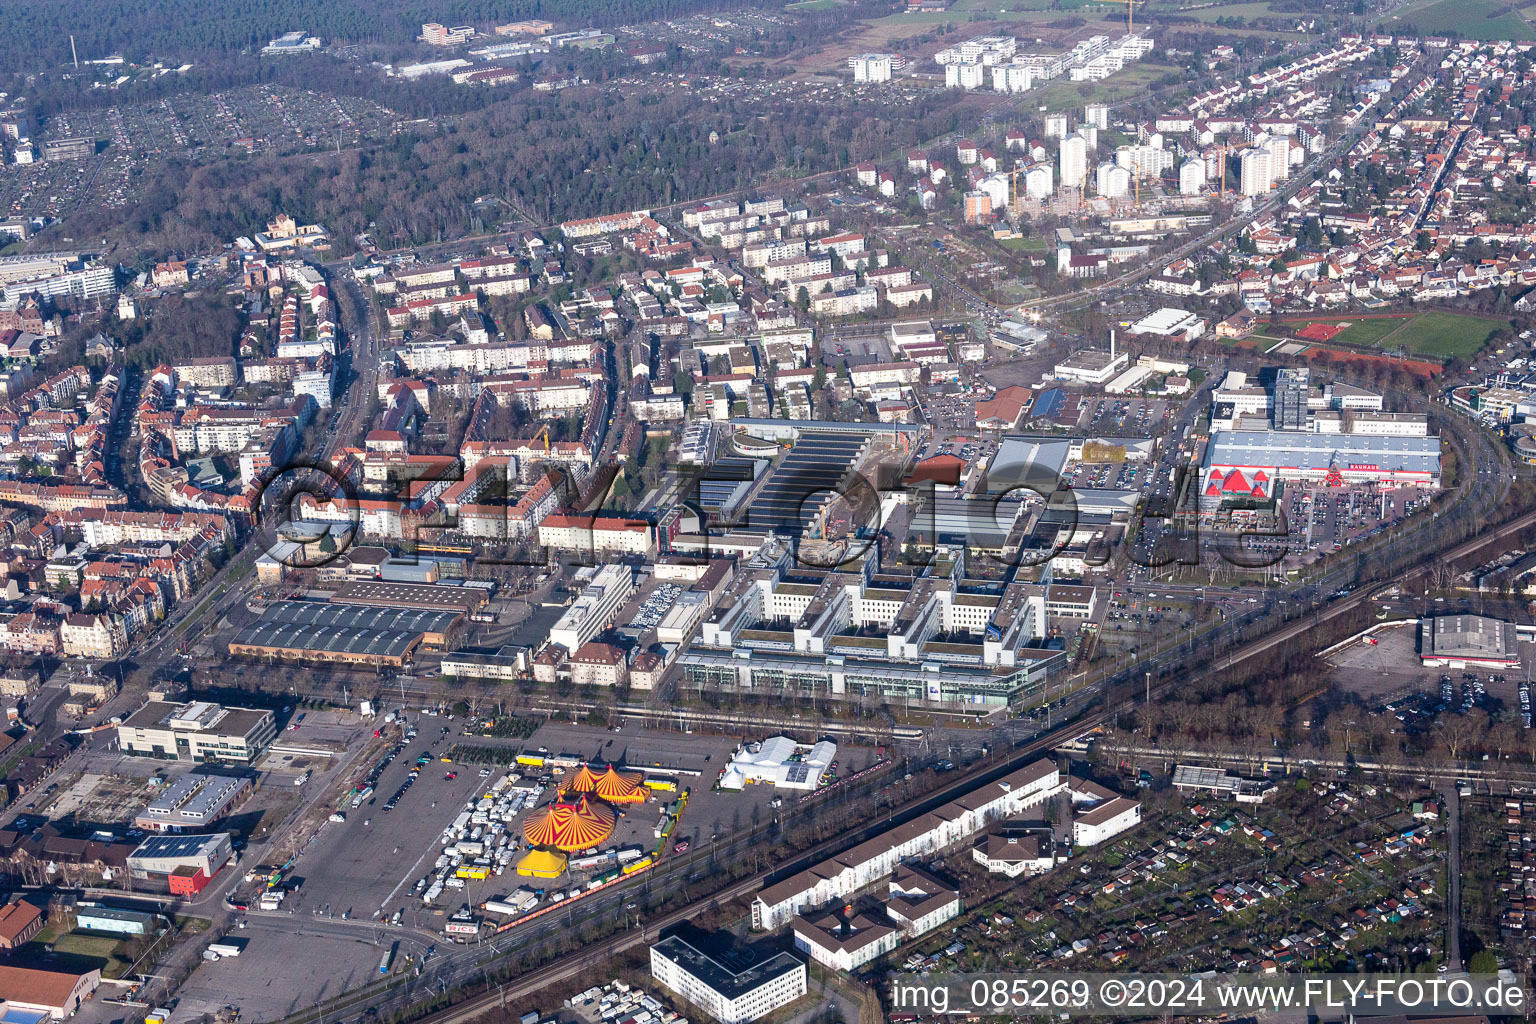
column 872, row 67
column 1279, row 150
column 316, row 384
column 441, row 354
column 1039, row 181
column 846, row 302
column 1192, row 177
column 760, row 254
column 987, row 50
column 970, row 75
column 875, row 859
column 1012, row 78
column 1074, row 161
column 1113, row 181
column 1105, row 821
column 1255, row 175
column 917, row 903
column 1014, row 855
column 1145, row 161
column 598, row 535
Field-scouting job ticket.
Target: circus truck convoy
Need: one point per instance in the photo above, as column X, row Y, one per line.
column 479, row 843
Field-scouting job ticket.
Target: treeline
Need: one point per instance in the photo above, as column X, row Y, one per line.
column 36, row 33
column 569, row 154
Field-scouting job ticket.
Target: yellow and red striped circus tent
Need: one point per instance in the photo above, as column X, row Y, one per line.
column 612, row 785
column 570, row 825
column 583, row 780
column 618, row 787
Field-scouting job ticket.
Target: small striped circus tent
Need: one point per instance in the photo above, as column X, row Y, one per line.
column 611, row 785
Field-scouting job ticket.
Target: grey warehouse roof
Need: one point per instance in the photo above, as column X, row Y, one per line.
column 1317, row 452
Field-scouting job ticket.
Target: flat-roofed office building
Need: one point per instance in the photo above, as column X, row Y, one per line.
column 198, row 731
column 733, row 989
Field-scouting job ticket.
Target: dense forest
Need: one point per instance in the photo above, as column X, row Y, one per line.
column 181, row 327
column 559, row 155
column 36, row 33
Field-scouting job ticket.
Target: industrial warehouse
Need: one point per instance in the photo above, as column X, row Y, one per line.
column 1467, row 641
column 184, row 863
column 345, row 634
column 1245, row 464
column 466, row 600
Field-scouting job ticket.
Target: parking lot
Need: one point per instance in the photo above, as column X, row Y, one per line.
column 289, row 964
column 1326, row 518
column 366, row 865
column 1129, row 417
column 648, row 607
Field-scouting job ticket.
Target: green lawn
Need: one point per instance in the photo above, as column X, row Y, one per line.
column 814, row 5
column 1129, row 82
column 1367, row 332
column 1444, row 334
column 1473, row 19
column 1031, row 244
column 74, row 950
column 1251, row 10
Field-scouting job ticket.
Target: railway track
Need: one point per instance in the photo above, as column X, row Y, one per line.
column 1350, row 602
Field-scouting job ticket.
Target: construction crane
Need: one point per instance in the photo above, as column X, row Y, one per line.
column 544, row 433
column 1130, row 16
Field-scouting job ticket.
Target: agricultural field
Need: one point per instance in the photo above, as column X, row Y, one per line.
column 1471, row 19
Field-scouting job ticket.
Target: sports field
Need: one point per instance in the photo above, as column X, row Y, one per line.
column 1367, row 332
column 1446, row 335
